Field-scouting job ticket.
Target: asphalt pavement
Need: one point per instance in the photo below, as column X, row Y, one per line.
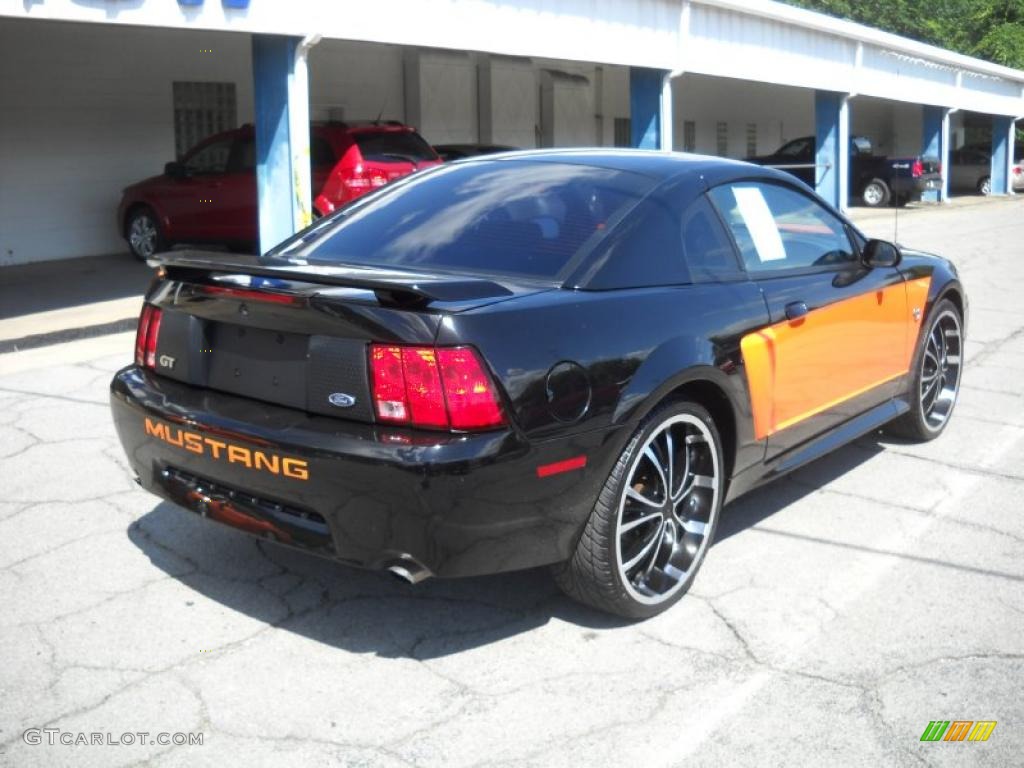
column 840, row 611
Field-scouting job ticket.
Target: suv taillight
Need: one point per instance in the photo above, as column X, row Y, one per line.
column 358, row 180
column 433, row 387
column 146, row 336
column 917, row 169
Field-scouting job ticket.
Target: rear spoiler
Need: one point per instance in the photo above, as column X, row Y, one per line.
column 394, row 287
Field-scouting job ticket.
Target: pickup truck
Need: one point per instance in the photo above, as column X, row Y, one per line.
column 875, row 179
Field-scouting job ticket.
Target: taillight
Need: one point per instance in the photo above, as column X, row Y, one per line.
column 358, row 180
column 146, row 336
column 917, row 169
column 468, row 389
column 439, row 388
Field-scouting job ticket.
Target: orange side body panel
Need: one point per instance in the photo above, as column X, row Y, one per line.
column 797, row 369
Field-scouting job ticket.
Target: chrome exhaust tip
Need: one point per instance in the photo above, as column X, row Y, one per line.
column 409, row 570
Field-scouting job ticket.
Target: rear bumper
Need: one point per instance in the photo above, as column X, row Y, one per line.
column 365, row 495
column 914, row 189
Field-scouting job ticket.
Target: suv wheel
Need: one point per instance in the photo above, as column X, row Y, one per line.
column 654, row 518
column 143, row 234
column 875, row 193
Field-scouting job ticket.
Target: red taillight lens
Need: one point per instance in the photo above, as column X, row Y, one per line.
column 389, row 399
column 423, row 387
column 140, row 334
column 467, row 387
column 146, row 336
column 917, row 169
column 436, row 388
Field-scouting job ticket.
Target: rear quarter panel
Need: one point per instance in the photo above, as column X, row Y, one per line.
column 635, row 347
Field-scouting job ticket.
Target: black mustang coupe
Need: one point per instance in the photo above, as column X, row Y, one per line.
column 564, row 358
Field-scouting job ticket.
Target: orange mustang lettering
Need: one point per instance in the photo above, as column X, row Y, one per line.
column 194, row 442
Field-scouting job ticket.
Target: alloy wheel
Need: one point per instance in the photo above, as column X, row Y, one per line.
column 142, row 236
column 941, row 367
column 667, row 509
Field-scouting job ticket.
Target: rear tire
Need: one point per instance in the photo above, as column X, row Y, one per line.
column 143, row 233
column 935, row 379
column 875, row 194
column 654, row 519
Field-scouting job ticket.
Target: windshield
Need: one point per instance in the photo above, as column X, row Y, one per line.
column 524, row 218
column 394, row 146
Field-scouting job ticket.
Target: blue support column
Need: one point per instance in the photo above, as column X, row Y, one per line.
column 1002, row 154
column 273, row 68
column 831, row 128
column 932, row 145
column 645, row 93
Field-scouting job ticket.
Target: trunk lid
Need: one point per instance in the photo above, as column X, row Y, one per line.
column 297, row 335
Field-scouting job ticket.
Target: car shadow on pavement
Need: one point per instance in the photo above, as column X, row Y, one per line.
column 363, row 611
column 344, row 607
column 763, row 502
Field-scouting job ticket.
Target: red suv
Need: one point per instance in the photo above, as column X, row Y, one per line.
column 210, row 196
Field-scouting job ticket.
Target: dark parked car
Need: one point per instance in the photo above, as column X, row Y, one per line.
column 210, row 196
column 571, row 358
column 874, row 179
column 449, row 152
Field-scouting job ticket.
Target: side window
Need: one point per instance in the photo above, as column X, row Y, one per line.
column 213, row 158
column 777, row 228
column 243, row 156
column 645, row 251
column 706, row 247
column 320, row 153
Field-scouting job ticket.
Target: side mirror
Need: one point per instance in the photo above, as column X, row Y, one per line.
column 175, row 170
column 881, row 253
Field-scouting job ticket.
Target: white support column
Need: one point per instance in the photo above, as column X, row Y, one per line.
column 666, row 113
column 298, row 130
column 844, row 154
column 945, row 154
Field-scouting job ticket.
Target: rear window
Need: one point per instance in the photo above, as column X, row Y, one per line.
column 394, row 146
column 518, row 218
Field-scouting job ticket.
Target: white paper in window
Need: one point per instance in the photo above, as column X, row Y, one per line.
column 760, row 223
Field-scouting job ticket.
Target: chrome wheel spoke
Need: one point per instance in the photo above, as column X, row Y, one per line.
column 670, row 458
column 645, row 550
column 637, row 522
column 635, row 495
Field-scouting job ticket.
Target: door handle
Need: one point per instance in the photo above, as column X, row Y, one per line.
column 795, row 310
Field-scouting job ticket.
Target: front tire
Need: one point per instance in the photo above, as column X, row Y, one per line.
column 935, row 384
column 654, row 519
column 985, row 186
column 142, row 231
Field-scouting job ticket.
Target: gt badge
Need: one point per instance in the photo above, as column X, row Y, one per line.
column 166, row 361
column 341, row 399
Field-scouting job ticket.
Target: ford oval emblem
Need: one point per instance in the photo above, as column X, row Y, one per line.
column 341, row 399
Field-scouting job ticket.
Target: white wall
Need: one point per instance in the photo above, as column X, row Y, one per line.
column 87, row 109
column 780, row 113
column 355, row 81
column 894, row 127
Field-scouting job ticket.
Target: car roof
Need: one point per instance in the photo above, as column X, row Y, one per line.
column 656, row 164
